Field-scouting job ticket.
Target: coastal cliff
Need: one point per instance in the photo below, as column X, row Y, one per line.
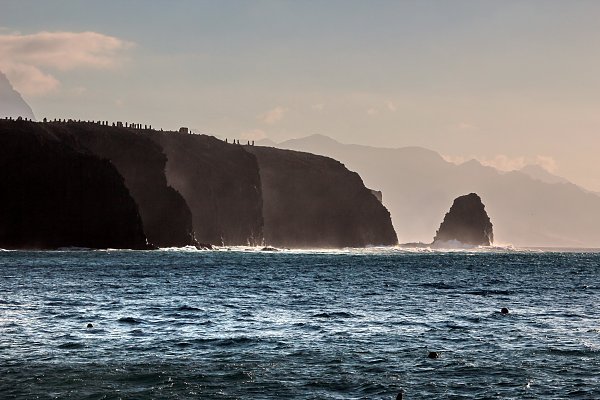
column 54, row 195
column 314, row 201
column 165, row 215
column 220, row 183
column 179, row 189
column 467, row 222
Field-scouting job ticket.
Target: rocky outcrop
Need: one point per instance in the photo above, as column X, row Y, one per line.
column 378, row 195
column 314, row 201
column 165, row 215
column 221, row 185
column 11, row 103
column 467, row 222
column 56, row 196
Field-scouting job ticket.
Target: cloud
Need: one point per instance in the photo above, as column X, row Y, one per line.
column 372, row 112
column 455, row 159
column 547, row 162
column 319, row 107
column 26, row 59
column 503, row 162
column 253, row 134
column 389, row 106
column 78, row 91
column 63, row 50
column 29, row 80
column 466, row 126
column 273, row 116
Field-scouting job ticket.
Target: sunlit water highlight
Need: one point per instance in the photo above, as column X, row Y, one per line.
column 311, row 324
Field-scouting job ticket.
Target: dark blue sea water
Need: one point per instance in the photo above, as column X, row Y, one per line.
column 317, row 325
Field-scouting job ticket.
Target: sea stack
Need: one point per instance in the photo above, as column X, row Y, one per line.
column 467, row 222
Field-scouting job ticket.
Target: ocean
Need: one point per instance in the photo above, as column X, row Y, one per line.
column 349, row 324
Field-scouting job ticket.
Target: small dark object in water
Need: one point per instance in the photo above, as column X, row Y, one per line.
column 400, row 395
column 434, row 354
column 504, row 310
column 90, row 325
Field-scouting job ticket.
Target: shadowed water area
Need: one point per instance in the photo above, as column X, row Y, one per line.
column 314, row 325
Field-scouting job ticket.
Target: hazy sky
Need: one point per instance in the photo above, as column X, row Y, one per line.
column 508, row 82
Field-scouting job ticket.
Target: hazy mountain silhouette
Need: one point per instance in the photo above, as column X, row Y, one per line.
column 11, row 102
column 418, row 184
column 539, row 173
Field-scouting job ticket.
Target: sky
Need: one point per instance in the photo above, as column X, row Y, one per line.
column 509, row 83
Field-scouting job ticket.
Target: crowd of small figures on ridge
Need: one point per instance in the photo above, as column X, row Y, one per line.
column 118, row 124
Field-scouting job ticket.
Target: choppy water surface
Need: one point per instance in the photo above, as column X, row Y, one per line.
column 225, row 325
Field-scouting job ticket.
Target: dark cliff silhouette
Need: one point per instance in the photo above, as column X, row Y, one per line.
column 11, row 103
column 116, row 182
column 165, row 215
column 466, row 222
column 56, row 196
column 314, row 201
column 220, row 183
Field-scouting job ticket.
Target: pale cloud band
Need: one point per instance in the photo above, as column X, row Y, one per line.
column 273, row 116
column 27, row 59
column 503, row 162
column 390, row 106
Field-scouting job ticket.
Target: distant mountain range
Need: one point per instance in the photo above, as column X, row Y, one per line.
column 11, row 102
column 539, row 173
column 530, row 207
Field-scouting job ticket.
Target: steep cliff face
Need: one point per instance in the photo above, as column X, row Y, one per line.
column 221, row 185
column 56, row 196
column 466, row 222
column 92, row 185
column 165, row 215
column 11, row 102
column 314, row 201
